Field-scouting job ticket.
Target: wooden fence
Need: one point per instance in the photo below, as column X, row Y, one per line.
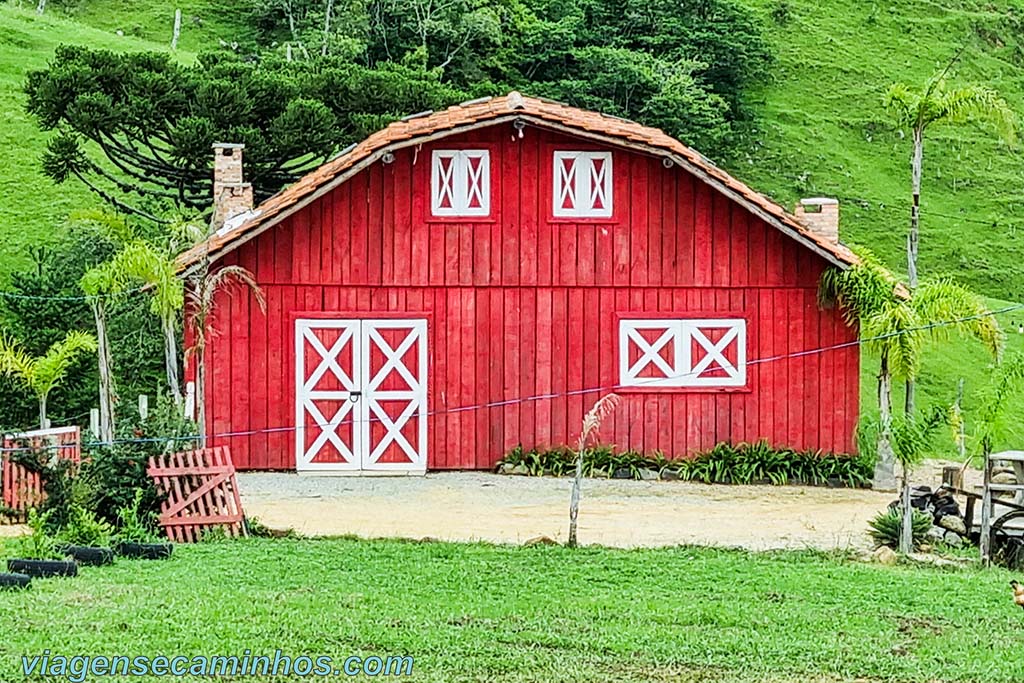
column 201, row 493
column 20, row 488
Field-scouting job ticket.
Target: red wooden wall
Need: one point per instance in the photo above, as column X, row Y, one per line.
column 524, row 305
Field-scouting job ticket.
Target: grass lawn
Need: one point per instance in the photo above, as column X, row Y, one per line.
column 491, row 613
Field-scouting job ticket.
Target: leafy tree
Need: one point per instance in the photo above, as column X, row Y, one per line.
column 142, row 125
column 40, row 374
column 137, row 128
column 936, row 104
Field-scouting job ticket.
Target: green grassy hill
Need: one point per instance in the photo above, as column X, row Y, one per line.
column 32, row 208
column 820, row 129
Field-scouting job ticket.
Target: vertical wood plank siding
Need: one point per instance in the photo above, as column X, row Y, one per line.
column 520, row 305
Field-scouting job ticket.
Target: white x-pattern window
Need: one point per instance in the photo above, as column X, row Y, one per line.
column 582, row 184
column 460, row 182
column 683, row 353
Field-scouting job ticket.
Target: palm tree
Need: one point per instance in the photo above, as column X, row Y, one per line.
column 139, row 262
column 919, row 110
column 894, row 323
column 202, row 289
column 98, row 283
column 41, row 374
column 862, row 292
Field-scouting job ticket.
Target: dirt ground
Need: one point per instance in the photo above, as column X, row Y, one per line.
column 466, row 506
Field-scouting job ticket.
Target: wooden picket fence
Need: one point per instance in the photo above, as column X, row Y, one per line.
column 22, row 489
column 201, row 493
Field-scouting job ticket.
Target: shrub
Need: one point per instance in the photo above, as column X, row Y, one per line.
column 114, row 476
column 723, row 464
column 84, row 528
column 135, row 523
column 40, row 544
column 885, row 527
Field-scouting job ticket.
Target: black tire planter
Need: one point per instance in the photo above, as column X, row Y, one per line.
column 90, row 556
column 145, row 551
column 43, row 569
column 15, row 581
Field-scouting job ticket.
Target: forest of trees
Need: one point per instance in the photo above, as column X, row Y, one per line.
column 321, row 74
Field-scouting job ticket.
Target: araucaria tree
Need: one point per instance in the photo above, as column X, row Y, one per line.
column 151, row 121
column 919, row 110
column 41, row 374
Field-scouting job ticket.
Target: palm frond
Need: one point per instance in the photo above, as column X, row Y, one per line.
column 231, row 275
column 979, row 104
column 895, row 332
column 141, row 263
column 1006, row 380
column 15, row 361
column 50, row 367
column 902, row 103
column 861, row 290
column 201, row 297
column 950, row 306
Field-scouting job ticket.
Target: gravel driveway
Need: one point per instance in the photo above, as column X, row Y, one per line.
column 467, row 506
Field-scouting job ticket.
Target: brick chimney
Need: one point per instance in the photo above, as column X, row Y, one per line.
column 231, row 196
column 821, row 216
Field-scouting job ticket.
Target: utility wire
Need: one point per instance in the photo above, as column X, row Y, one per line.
column 83, row 297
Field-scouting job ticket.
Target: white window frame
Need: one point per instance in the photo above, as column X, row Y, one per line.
column 583, row 194
column 460, row 183
column 680, row 333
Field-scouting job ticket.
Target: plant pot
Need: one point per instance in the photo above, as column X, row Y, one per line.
column 15, row 581
column 145, row 551
column 42, row 569
column 89, row 555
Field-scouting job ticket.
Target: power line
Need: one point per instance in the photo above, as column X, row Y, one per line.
column 83, row 297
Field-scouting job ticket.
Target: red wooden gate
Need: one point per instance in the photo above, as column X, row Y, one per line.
column 201, row 493
column 21, row 488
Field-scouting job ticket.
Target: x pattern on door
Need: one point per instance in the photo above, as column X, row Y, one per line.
column 683, row 353
column 361, row 394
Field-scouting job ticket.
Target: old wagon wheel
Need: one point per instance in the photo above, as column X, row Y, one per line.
column 1008, row 540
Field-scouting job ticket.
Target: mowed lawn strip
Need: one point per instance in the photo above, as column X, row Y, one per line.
column 482, row 612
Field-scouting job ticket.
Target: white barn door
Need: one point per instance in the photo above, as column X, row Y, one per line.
column 361, row 395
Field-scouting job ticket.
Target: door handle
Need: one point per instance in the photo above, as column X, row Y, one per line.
column 354, row 396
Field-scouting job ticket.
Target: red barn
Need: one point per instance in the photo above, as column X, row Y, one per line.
column 471, row 279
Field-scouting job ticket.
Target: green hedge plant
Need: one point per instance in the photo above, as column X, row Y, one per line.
column 756, row 463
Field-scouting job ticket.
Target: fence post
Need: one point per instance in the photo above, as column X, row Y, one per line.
column 143, row 406
column 94, row 422
column 190, row 400
column 177, row 29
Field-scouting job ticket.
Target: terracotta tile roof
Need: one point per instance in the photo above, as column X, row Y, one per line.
column 539, row 112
